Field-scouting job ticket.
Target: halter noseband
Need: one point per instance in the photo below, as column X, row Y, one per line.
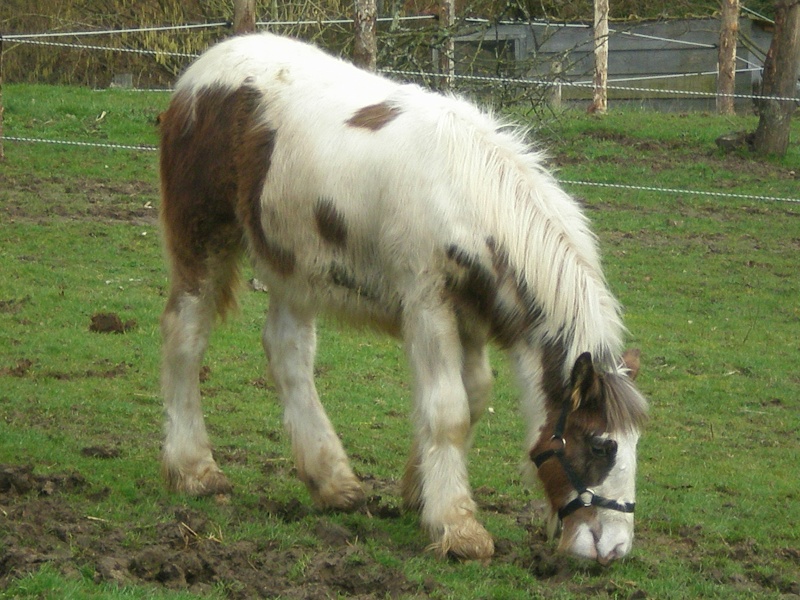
column 586, row 497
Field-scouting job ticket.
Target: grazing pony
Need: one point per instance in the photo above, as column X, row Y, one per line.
column 416, row 213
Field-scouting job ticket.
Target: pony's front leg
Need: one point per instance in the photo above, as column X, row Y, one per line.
column 438, row 484
column 187, row 463
column 289, row 340
column 476, row 374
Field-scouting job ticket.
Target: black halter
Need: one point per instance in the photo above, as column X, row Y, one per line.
column 586, row 497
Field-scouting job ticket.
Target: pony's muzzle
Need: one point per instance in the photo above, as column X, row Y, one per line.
column 593, row 537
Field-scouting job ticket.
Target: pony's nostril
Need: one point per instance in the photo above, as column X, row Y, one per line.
column 597, row 533
column 617, row 552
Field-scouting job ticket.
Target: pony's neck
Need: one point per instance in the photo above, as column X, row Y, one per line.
column 529, row 369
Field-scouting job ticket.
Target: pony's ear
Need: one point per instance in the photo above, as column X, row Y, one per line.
column 587, row 385
column 630, row 360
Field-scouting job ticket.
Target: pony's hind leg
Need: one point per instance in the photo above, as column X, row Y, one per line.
column 289, row 340
column 436, row 480
column 199, row 290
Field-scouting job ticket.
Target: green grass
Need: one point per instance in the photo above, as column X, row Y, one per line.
column 75, row 114
column 710, row 290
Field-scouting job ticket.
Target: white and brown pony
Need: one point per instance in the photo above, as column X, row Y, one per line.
column 416, row 213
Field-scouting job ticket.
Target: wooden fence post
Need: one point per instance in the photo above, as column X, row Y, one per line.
column 726, row 63
column 554, row 92
column 365, row 48
column 2, row 107
column 600, row 95
column 244, row 16
column 447, row 58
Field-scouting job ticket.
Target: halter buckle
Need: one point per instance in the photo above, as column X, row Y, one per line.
column 587, row 497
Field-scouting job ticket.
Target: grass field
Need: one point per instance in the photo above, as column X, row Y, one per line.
column 711, row 295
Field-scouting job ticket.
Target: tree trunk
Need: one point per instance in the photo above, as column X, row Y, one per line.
column 728, row 36
column 779, row 83
column 365, row 51
column 244, row 16
column 600, row 95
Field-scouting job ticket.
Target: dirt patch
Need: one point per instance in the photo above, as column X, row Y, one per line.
column 58, row 198
column 20, row 481
column 41, row 523
column 13, row 305
column 18, row 370
column 25, row 367
column 110, row 323
column 100, row 452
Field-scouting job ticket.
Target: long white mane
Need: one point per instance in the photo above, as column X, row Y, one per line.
column 543, row 229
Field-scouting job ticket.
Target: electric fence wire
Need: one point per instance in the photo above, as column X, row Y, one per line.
column 37, row 40
column 479, row 78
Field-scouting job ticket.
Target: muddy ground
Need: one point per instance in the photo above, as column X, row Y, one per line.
column 42, row 523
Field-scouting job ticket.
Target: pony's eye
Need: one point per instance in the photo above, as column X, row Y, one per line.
column 602, row 447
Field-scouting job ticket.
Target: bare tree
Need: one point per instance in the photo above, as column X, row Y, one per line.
column 728, row 36
column 779, row 82
column 365, row 50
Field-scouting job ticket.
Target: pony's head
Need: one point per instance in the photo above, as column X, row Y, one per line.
column 586, row 458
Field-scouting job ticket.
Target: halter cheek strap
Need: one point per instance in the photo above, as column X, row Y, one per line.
column 585, row 497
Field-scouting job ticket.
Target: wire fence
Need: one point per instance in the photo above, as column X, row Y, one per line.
column 37, row 39
column 47, row 39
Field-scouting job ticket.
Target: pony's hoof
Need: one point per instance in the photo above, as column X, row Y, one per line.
column 465, row 541
column 345, row 496
column 211, row 481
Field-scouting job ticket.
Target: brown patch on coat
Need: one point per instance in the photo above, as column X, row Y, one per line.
column 493, row 294
column 374, row 117
column 198, row 188
column 554, row 386
column 474, row 286
column 518, row 311
column 330, row 223
column 591, row 469
column 558, row 390
column 255, row 143
column 215, row 155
